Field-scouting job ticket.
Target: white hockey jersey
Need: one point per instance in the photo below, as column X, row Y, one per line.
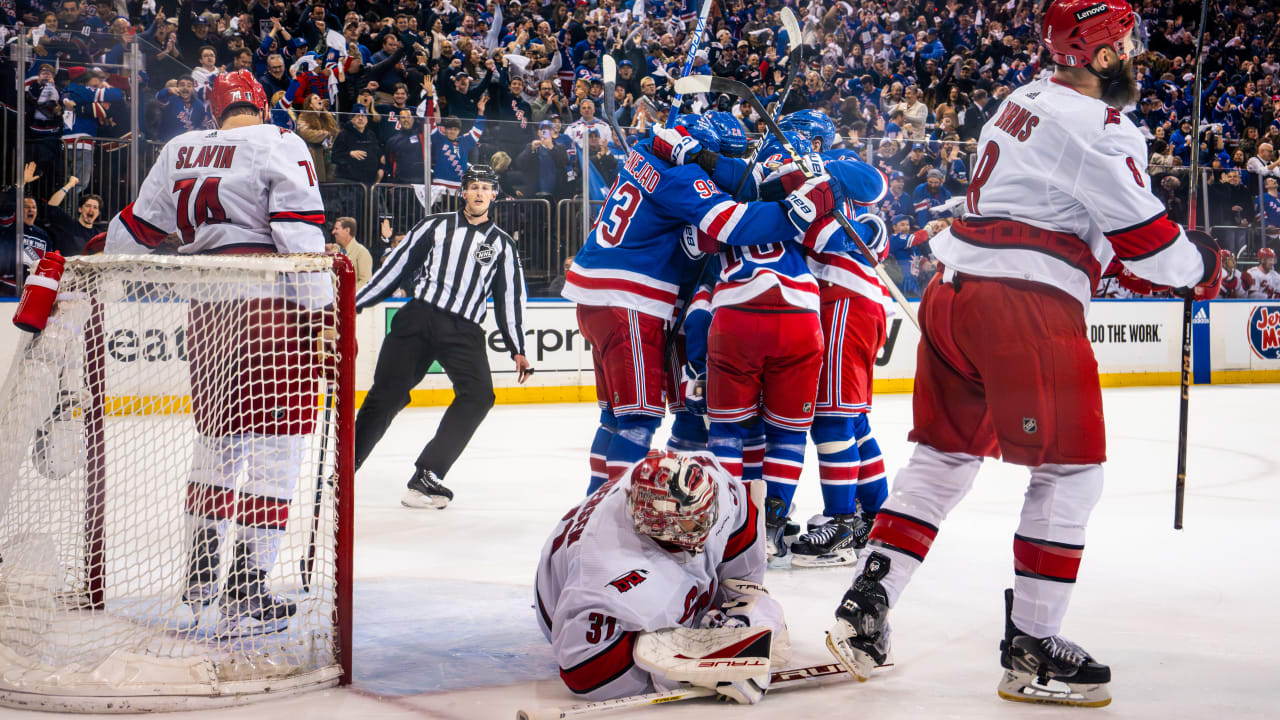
column 600, row 584
column 1059, row 190
column 1265, row 284
column 245, row 190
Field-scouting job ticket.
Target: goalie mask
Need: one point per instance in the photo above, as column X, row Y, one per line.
column 672, row 499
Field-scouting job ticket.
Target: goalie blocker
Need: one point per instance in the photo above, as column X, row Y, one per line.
column 655, row 581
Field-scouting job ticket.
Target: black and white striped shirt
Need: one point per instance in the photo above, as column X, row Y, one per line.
column 449, row 263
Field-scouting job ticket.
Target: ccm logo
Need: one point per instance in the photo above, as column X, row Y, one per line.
column 731, row 663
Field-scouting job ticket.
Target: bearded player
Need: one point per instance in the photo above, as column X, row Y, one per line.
column 245, row 188
column 1005, row 369
column 658, row 569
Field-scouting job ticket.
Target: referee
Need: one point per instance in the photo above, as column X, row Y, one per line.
column 450, row 263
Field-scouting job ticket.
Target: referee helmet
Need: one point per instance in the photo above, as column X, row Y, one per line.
column 480, row 173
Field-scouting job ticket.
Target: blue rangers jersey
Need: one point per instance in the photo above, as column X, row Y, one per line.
column 865, row 187
column 449, row 159
column 635, row 257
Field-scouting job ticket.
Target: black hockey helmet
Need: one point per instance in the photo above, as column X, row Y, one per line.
column 480, row 173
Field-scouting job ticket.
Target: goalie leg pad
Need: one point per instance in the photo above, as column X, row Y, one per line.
column 732, row 661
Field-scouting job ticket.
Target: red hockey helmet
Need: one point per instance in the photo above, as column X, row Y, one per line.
column 1266, row 253
column 673, row 498
column 236, row 88
column 1073, row 30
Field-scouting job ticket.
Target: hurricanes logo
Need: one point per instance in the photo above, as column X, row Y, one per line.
column 628, row 580
column 1264, row 331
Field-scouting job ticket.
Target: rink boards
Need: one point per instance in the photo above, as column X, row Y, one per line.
column 1137, row 342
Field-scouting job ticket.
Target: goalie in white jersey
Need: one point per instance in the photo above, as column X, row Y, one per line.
column 245, row 188
column 1005, row 369
column 655, row 577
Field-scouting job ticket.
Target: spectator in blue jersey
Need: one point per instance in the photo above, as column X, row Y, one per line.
column 897, row 201
column 930, row 195
column 451, row 152
column 590, row 44
column 181, row 110
column 544, row 163
column 1270, row 204
column 954, row 166
column 399, row 102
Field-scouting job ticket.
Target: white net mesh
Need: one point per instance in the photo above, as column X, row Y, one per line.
column 167, row 485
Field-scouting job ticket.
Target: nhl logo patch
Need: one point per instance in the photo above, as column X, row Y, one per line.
column 1029, row 425
column 485, row 254
column 808, row 407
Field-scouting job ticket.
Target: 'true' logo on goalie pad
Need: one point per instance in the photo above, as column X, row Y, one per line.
column 628, row 580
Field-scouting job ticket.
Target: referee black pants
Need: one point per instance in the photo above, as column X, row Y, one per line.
column 420, row 334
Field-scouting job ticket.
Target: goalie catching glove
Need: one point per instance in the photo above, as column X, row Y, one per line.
column 733, row 661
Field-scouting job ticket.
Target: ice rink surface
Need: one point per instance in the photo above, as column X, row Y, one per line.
column 1188, row 620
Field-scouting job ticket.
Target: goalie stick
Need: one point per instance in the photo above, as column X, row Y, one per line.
column 610, row 68
column 1188, row 302
column 795, row 58
column 781, row 678
column 709, row 83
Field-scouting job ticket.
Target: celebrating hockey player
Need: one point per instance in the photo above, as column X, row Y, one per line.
column 627, row 277
column 1262, row 279
column 658, row 569
column 1005, row 368
column 247, row 187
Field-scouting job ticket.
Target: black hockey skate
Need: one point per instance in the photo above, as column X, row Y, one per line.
column 860, row 637
column 776, row 525
column 248, row 607
column 426, row 491
column 829, row 544
column 202, row 568
column 863, row 531
column 1049, row 670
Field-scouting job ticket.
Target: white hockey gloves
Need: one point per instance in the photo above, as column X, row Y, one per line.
column 732, row 661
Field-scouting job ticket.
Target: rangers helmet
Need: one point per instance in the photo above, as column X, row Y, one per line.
column 672, row 498
column 700, row 129
column 812, row 123
column 731, row 133
column 233, row 89
column 1073, row 30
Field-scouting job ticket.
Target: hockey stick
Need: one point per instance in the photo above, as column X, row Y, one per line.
column 610, row 80
column 709, row 83
column 308, row 563
column 1184, row 402
column 795, row 58
column 694, row 42
column 781, row 678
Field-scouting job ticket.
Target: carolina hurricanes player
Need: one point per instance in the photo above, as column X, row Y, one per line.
column 245, row 188
column 1005, row 368
column 1264, row 281
column 1235, row 283
column 660, row 567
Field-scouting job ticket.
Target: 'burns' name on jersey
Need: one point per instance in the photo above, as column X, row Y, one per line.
column 1059, row 190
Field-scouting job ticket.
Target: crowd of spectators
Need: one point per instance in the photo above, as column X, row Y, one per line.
column 518, row 85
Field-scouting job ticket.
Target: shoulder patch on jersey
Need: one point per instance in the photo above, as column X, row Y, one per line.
column 1112, row 117
column 628, row 580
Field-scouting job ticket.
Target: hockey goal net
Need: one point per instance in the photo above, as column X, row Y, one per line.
column 175, row 504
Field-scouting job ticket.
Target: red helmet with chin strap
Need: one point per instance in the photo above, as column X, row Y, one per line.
column 1073, row 30
column 1266, row 253
column 236, row 88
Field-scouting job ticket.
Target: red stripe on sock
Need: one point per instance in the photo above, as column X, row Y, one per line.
column 210, row 502
column 837, row 472
column 871, row 469
column 785, row 471
column 1055, row 562
column 753, row 455
column 900, row 532
column 263, row 512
